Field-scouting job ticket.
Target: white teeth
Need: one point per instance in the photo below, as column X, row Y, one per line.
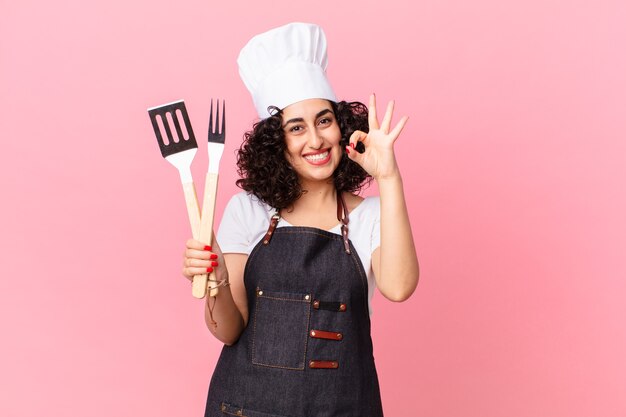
column 317, row 157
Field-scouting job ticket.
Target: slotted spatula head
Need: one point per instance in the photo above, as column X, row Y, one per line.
column 182, row 142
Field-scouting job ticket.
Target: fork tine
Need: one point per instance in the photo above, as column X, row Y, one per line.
column 217, row 129
column 223, row 129
column 211, row 119
column 217, row 118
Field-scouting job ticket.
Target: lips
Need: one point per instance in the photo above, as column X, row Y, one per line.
column 319, row 158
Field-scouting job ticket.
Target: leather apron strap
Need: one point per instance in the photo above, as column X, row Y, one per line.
column 342, row 216
column 341, row 206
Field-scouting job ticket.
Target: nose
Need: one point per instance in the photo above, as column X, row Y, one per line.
column 315, row 140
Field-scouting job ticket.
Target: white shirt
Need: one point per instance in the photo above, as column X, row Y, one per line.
column 246, row 220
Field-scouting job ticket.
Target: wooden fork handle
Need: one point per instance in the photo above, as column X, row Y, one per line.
column 200, row 282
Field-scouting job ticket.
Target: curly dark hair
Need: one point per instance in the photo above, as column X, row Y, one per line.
column 266, row 173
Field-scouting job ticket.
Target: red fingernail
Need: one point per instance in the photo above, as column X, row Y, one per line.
column 348, row 150
column 353, row 145
column 207, row 247
column 213, row 263
column 209, row 269
column 213, row 256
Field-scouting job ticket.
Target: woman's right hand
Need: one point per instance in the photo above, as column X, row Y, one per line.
column 379, row 158
column 200, row 259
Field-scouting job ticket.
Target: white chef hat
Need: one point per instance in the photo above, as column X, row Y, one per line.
column 285, row 65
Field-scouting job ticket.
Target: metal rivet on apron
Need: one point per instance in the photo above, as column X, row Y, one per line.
column 307, row 297
column 339, row 336
column 312, row 332
column 342, row 307
column 260, row 292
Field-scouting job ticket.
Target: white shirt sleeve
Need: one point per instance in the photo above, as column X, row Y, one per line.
column 244, row 222
column 376, row 223
column 233, row 235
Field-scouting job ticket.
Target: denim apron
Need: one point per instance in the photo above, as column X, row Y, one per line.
column 306, row 350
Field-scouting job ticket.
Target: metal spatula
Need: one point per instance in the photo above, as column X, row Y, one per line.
column 217, row 135
column 179, row 150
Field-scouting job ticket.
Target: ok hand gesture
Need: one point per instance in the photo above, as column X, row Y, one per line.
column 378, row 159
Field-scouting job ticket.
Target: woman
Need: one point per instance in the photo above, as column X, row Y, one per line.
column 301, row 253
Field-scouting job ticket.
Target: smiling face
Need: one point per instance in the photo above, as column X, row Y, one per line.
column 312, row 137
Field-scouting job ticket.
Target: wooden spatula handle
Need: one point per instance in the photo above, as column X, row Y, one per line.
column 199, row 288
column 193, row 209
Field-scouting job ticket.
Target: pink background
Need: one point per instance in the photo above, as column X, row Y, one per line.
column 513, row 162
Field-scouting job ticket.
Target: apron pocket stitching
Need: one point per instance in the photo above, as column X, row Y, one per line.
column 264, row 347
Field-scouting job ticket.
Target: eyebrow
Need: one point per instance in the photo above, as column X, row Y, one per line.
column 300, row 119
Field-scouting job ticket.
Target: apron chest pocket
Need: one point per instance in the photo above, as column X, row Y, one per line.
column 280, row 333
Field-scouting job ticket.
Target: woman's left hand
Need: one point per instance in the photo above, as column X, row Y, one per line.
column 378, row 159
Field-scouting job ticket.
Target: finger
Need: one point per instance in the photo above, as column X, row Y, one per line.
column 387, row 119
column 372, row 118
column 352, row 154
column 187, row 275
column 200, row 254
column 357, row 136
column 398, row 128
column 196, row 244
column 191, row 272
column 200, row 263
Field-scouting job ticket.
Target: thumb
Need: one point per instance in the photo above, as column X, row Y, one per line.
column 353, row 154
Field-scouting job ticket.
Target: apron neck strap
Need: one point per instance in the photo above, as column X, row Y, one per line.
column 342, row 216
column 342, row 209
